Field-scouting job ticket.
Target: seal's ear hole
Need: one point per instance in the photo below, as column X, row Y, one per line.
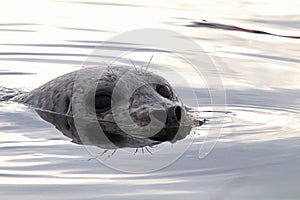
column 102, row 103
column 67, row 102
column 164, row 91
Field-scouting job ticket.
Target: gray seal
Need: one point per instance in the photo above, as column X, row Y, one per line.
column 54, row 102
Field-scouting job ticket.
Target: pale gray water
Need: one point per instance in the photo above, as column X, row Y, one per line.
column 257, row 155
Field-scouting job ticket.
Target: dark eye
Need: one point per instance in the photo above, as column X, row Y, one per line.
column 164, row 91
column 102, row 103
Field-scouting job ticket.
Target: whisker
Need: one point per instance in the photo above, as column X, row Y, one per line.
column 136, row 150
column 133, row 64
column 111, row 70
column 148, row 63
column 148, row 150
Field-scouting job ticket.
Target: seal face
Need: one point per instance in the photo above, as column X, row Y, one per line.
column 124, row 97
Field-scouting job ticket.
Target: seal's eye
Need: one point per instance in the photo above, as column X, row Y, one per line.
column 164, row 91
column 102, row 103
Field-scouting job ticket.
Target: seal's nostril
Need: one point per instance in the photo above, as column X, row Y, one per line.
column 178, row 113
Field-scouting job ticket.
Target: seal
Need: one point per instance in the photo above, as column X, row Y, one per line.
column 151, row 98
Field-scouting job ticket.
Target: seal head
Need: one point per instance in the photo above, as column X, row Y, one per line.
column 127, row 103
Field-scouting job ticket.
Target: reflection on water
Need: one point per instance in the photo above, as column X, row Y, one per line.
column 204, row 23
column 257, row 155
column 116, row 137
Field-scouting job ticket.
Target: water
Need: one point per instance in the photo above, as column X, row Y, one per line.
column 257, row 154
